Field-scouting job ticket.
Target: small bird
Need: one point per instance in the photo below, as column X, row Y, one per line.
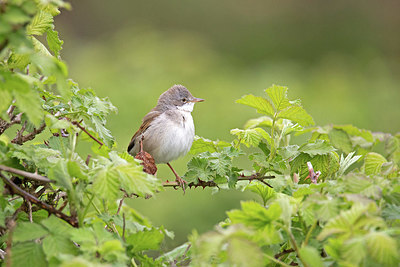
column 167, row 131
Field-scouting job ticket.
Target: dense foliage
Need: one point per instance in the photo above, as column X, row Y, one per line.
column 62, row 206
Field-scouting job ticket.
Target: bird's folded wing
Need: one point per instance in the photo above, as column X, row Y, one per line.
column 147, row 120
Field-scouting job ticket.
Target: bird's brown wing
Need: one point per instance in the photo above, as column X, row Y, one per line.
column 145, row 125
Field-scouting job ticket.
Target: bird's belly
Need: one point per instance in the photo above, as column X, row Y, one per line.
column 170, row 141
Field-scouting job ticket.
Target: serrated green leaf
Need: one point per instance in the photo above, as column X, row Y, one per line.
column 134, row 180
column 54, row 42
column 278, row 95
column 198, row 169
column 251, row 137
column 57, row 226
column 261, row 104
column 265, row 192
column 311, row 256
column 59, row 173
column 345, row 163
column 28, row 254
column 106, row 183
column 145, row 240
column 296, row 114
column 391, row 212
column 26, row 100
column 341, row 140
column 243, row 252
column 53, row 246
column 104, row 133
column 40, row 23
column 352, row 130
column 26, row 231
column 113, row 251
column 254, row 215
column 258, row 122
column 201, row 144
column 373, row 163
column 382, row 248
column 319, row 147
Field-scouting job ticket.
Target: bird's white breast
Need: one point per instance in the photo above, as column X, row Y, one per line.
column 171, row 136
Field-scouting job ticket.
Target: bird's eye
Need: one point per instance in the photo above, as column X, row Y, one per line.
column 184, row 100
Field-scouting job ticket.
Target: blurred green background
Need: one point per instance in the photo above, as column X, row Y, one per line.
column 340, row 57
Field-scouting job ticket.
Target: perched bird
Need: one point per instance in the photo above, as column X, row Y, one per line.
column 167, row 131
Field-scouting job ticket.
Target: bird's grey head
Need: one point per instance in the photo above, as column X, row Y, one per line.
column 177, row 97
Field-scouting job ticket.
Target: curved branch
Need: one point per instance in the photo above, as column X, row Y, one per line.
column 17, row 190
column 29, row 175
column 205, row 184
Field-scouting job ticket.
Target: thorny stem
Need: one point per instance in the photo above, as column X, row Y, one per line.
column 90, row 135
column 17, row 190
column 29, row 175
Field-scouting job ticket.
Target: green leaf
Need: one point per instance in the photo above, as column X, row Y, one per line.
column 145, row 240
column 26, row 231
column 59, row 173
column 54, row 246
column 258, row 122
column 278, row 95
column 311, row 256
column 55, row 44
column 25, row 98
column 264, row 191
column 28, row 254
column 341, row 140
column 254, row 215
column 107, row 183
column 319, row 147
column 134, row 180
column 113, row 251
column 251, row 137
column 6, row 99
column 373, row 163
column 201, row 144
column 354, row 131
column 57, row 227
column 198, row 169
column 297, row 114
column 261, row 104
column 382, row 248
column 243, row 252
column 391, row 212
column 345, row 163
column 181, row 253
column 40, row 23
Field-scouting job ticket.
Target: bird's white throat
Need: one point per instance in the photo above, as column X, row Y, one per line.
column 188, row 107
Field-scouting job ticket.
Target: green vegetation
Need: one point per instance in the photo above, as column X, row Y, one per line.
column 331, row 200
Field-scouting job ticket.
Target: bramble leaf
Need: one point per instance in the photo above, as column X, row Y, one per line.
column 297, row 114
column 319, row 147
column 261, row 104
column 278, row 95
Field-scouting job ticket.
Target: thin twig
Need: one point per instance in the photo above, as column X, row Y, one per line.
column 205, row 184
column 120, row 204
column 20, row 139
column 29, row 210
column 10, row 225
column 90, row 135
column 123, row 226
column 29, row 175
column 17, row 190
column 284, row 252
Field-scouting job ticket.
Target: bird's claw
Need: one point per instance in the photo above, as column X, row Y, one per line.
column 182, row 183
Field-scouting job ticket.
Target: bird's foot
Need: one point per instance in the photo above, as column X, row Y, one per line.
column 182, row 183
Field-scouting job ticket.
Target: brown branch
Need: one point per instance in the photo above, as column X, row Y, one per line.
column 4, row 125
column 90, row 135
column 284, row 252
column 20, row 138
column 29, row 175
column 52, row 210
column 205, row 184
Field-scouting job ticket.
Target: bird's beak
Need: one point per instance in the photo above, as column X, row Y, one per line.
column 195, row 99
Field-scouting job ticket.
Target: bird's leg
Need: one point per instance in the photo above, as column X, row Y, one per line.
column 179, row 180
